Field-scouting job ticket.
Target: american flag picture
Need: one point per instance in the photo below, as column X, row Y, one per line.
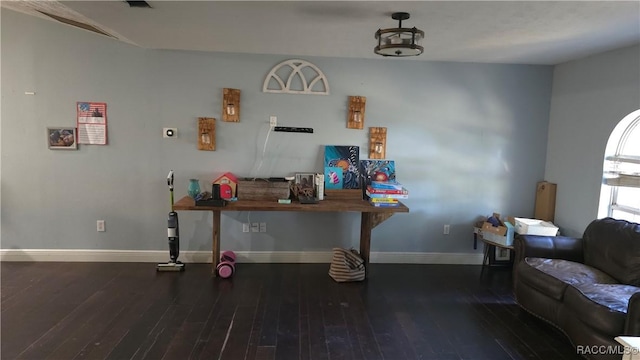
column 92, row 112
column 92, row 122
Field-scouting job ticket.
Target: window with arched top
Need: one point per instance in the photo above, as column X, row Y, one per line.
column 620, row 194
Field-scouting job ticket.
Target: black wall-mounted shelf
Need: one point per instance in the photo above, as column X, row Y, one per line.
column 293, row 129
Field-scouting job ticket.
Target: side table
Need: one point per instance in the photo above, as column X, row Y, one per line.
column 495, row 254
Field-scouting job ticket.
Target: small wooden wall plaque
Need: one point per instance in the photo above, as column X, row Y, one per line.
column 355, row 117
column 231, row 105
column 377, row 143
column 206, row 134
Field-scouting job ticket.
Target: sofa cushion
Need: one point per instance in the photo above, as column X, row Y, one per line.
column 601, row 306
column 613, row 246
column 551, row 276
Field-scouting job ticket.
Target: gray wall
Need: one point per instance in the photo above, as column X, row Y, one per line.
column 589, row 98
column 468, row 139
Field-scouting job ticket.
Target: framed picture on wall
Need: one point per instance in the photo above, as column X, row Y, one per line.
column 62, row 138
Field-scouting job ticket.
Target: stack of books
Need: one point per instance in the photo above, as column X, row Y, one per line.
column 386, row 193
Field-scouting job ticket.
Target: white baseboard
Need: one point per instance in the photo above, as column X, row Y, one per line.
column 79, row 255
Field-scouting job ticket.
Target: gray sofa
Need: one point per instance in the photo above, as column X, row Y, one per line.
column 587, row 287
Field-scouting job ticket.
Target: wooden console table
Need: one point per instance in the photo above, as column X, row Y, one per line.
column 371, row 216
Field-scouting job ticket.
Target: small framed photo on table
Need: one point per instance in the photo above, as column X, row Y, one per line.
column 62, row 138
column 305, row 184
column 503, row 254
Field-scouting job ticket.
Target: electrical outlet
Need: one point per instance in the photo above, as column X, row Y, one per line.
column 169, row 133
column 100, row 225
column 273, row 121
column 245, row 227
column 446, row 229
column 255, row 227
column 263, row 227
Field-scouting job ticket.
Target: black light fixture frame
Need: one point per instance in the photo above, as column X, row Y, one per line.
column 138, row 4
column 400, row 16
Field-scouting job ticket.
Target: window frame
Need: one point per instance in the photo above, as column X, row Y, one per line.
column 615, row 148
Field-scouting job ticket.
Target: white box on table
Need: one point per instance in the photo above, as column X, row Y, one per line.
column 526, row 226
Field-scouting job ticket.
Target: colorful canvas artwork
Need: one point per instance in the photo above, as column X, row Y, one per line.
column 377, row 170
column 333, row 178
column 346, row 158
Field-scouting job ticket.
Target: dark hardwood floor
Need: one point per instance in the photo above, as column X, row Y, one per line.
column 267, row 311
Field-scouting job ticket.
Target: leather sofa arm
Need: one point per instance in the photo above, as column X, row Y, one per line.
column 632, row 323
column 551, row 247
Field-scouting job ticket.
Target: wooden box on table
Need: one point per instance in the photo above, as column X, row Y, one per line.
column 262, row 189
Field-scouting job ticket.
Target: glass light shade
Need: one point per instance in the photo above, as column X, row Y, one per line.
column 378, row 148
column 205, row 138
column 401, row 38
column 231, row 109
column 394, row 39
column 357, row 116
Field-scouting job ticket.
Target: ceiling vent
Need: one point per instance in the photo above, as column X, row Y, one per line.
column 76, row 24
column 139, row 4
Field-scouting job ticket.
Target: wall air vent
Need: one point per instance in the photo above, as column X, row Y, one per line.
column 139, row 4
column 76, row 24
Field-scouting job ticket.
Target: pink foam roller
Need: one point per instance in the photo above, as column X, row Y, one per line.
column 228, row 256
column 225, row 269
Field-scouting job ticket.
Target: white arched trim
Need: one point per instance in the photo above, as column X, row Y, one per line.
column 297, row 66
column 616, row 139
column 618, row 132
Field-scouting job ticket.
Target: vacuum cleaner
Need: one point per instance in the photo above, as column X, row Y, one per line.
column 173, row 232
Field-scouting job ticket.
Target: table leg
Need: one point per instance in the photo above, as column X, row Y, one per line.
column 486, row 260
column 366, row 224
column 215, row 246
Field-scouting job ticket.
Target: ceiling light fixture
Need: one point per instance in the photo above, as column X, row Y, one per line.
column 399, row 41
column 139, row 4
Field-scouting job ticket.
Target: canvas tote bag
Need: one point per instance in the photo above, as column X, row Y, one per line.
column 346, row 265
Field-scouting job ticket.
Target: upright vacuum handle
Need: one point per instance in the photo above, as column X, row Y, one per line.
column 170, row 184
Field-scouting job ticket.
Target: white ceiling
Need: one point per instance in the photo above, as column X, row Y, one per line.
column 521, row 32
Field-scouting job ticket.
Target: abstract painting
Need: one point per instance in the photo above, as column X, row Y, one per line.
column 377, row 170
column 346, row 158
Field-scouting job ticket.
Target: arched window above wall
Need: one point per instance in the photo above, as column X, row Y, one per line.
column 620, row 194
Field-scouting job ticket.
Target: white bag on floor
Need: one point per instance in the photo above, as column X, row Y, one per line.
column 346, row 265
